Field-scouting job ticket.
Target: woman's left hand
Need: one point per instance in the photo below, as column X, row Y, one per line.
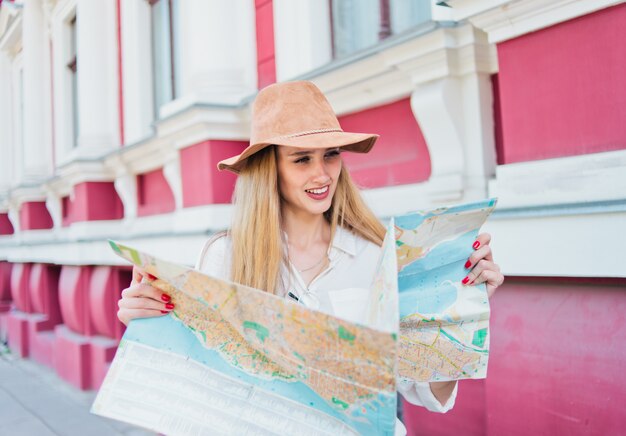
column 481, row 266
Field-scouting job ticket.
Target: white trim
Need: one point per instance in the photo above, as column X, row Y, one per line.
column 586, row 245
column 504, row 20
column 566, row 180
column 396, row 71
column 178, row 236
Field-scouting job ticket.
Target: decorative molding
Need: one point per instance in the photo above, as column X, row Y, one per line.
column 200, row 122
column 78, row 171
column 173, row 176
column 11, row 27
column 503, row 20
column 396, row 71
column 177, row 236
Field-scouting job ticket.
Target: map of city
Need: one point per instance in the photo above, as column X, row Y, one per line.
column 236, row 360
column 249, row 351
column 444, row 325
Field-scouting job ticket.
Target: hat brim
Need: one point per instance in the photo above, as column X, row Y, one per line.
column 356, row 142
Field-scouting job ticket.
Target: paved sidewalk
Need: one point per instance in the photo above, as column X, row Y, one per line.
column 35, row 401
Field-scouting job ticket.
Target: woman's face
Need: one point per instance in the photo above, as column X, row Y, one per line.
column 307, row 178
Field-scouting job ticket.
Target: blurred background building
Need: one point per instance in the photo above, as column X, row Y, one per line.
column 114, row 114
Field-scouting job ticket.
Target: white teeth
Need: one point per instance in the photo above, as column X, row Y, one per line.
column 317, row 191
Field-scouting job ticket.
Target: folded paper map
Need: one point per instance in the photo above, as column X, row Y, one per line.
column 234, row 360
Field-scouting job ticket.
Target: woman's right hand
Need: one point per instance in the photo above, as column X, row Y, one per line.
column 141, row 299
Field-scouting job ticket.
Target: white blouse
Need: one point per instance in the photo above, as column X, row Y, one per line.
column 341, row 290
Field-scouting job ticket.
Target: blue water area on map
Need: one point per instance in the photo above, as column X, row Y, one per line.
column 166, row 333
column 426, row 286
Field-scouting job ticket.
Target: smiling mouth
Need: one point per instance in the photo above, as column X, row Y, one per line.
column 318, row 191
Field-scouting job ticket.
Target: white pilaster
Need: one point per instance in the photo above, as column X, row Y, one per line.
column 6, row 120
column 37, row 156
column 212, row 71
column 302, row 32
column 137, row 70
column 97, row 78
column 61, row 17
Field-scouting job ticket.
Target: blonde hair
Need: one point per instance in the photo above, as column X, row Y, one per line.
column 257, row 242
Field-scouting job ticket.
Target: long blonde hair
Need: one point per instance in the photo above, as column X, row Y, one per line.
column 257, row 243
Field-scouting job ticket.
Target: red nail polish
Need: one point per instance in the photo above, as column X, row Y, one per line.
column 472, row 282
column 465, row 280
column 151, row 277
column 476, row 245
column 164, row 311
column 468, row 264
column 165, row 297
column 169, row 306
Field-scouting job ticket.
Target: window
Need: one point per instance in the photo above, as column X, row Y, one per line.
column 72, row 65
column 359, row 24
column 163, row 30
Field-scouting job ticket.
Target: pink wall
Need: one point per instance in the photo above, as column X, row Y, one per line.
column 266, row 59
column 154, row 194
column 35, row 215
column 562, row 90
column 556, row 364
column 202, row 182
column 92, row 201
column 5, row 281
column 6, row 228
column 400, row 155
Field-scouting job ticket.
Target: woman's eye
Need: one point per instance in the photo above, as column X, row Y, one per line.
column 332, row 154
column 302, row 160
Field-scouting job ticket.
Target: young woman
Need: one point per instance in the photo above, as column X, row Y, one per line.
column 300, row 227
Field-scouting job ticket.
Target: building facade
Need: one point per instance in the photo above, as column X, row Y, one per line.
column 114, row 114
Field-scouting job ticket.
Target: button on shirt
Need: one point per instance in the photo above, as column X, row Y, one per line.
column 342, row 290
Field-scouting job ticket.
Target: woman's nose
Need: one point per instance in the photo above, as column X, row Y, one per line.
column 320, row 173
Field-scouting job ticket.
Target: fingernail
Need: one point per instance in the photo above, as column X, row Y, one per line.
column 465, row 280
column 169, row 306
column 472, row 282
column 468, row 264
column 476, row 245
column 151, row 277
column 164, row 311
column 165, row 297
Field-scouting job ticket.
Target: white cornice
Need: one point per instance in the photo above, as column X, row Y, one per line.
column 503, row 20
column 77, row 172
column 201, row 122
column 395, row 72
column 188, row 127
column 567, row 180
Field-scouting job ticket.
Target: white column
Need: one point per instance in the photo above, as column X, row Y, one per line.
column 216, row 48
column 36, row 156
column 302, row 31
column 6, row 121
column 98, row 99
column 137, row 70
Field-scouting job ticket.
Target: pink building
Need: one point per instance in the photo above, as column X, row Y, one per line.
column 113, row 115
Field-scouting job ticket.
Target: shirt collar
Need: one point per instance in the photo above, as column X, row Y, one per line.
column 345, row 240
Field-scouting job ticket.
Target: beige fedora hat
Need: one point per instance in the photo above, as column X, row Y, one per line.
column 299, row 115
